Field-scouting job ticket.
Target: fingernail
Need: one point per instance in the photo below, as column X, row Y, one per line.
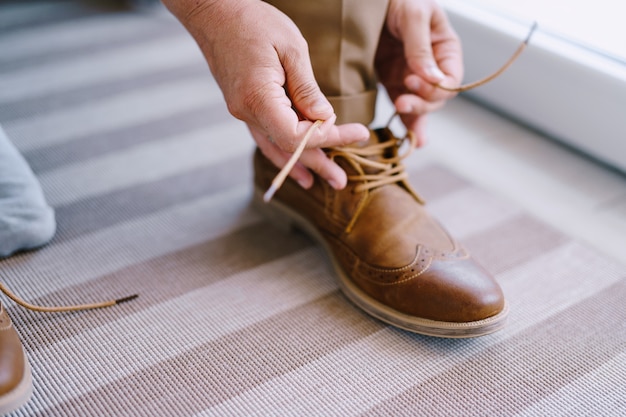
column 435, row 72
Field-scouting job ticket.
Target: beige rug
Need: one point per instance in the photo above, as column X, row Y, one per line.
column 150, row 178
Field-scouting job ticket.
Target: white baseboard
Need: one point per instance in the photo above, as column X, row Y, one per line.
column 565, row 91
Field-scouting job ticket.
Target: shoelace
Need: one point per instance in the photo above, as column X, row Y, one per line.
column 56, row 309
column 387, row 174
column 389, row 168
column 382, row 170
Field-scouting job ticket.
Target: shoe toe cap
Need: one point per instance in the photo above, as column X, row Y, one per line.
column 456, row 291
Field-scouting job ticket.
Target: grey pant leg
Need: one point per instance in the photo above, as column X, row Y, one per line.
column 26, row 220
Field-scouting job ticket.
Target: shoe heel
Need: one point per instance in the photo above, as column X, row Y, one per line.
column 272, row 212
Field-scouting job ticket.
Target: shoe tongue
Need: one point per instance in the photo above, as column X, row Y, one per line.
column 376, row 136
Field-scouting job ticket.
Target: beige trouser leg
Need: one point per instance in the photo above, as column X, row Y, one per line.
column 342, row 36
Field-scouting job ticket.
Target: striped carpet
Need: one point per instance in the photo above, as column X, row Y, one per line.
column 150, row 179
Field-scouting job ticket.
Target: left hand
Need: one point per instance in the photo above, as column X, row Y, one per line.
column 418, row 48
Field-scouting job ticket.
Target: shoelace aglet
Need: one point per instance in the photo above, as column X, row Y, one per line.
column 507, row 64
column 530, row 32
column 270, row 193
column 125, row 299
column 284, row 172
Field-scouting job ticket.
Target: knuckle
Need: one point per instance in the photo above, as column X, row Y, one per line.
column 246, row 103
column 304, row 90
column 288, row 144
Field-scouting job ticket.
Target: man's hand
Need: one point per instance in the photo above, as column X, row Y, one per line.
column 418, row 48
column 261, row 63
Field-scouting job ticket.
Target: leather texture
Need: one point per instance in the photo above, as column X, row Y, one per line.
column 384, row 241
column 15, row 383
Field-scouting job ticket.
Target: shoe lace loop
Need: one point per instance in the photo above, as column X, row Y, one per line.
column 374, row 158
column 389, row 168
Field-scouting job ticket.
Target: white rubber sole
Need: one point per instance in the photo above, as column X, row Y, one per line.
column 285, row 218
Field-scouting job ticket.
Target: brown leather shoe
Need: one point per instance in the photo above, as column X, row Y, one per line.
column 393, row 259
column 16, row 384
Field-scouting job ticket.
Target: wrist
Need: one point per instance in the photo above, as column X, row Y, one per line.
column 193, row 13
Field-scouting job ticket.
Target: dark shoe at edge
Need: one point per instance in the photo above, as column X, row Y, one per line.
column 15, row 378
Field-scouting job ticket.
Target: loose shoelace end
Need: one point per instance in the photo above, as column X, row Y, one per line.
column 282, row 175
column 57, row 309
column 270, row 193
column 125, row 299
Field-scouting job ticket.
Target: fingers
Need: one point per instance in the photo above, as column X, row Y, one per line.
column 432, row 49
column 416, row 125
column 287, row 137
column 300, row 84
column 260, row 60
column 311, row 160
column 330, row 135
column 414, row 29
column 287, row 105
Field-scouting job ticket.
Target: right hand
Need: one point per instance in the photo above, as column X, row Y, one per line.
column 260, row 60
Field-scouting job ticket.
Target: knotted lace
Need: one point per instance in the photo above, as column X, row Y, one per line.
column 376, row 165
column 388, row 168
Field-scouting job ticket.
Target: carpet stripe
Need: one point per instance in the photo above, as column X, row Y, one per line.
column 66, row 40
column 376, row 369
column 584, row 331
column 599, row 392
column 98, row 66
column 30, row 108
column 510, row 243
column 116, row 112
column 87, row 257
column 145, row 163
column 433, row 181
column 117, row 140
column 21, row 17
column 176, row 326
column 159, row 279
column 229, row 365
column 104, row 210
column 470, row 210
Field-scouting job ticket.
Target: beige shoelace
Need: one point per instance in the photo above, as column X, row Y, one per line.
column 389, row 171
column 56, row 309
column 372, row 158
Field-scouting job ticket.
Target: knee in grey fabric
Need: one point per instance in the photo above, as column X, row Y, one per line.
column 26, row 220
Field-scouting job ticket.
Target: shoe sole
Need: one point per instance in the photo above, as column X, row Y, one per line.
column 20, row 395
column 286, row 219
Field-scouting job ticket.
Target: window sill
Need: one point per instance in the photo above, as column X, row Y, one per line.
column 563, row 90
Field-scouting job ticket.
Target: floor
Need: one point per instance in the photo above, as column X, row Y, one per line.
column 235, row 318
column 580, row 196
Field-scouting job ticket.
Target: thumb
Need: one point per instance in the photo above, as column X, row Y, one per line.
column 418, row 49
column 303, row 90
